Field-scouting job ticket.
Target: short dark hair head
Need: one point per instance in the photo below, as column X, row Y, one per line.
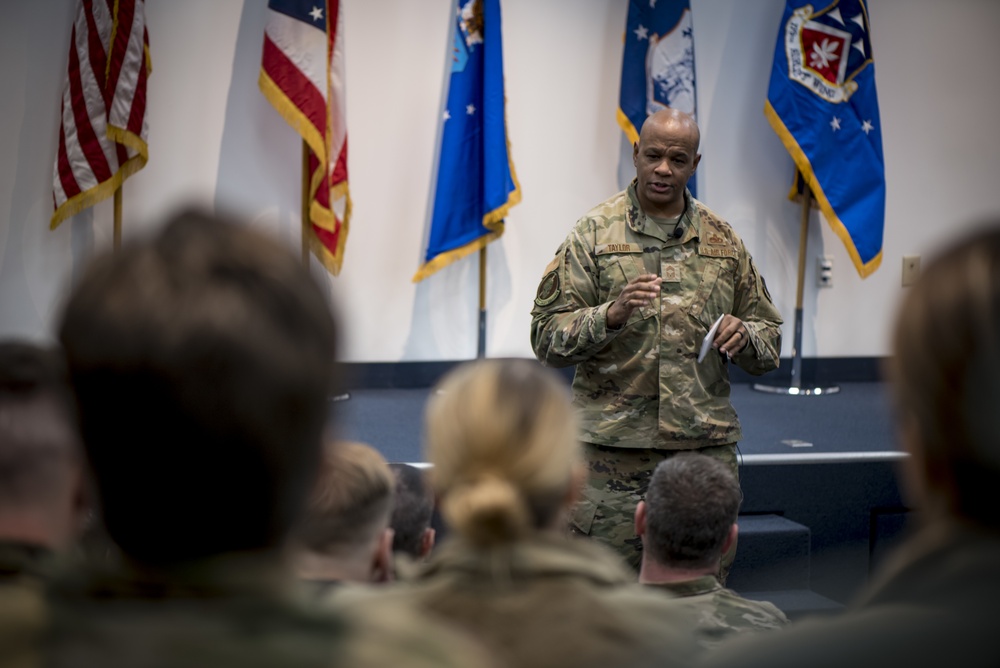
column 413, row 509
column 201, row 360
column 692, row 502
column 945, row 375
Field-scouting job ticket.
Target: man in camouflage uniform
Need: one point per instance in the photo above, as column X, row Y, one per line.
column 632, row 292
column 686, row 523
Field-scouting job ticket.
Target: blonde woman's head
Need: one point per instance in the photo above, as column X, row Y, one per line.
column 502, row 437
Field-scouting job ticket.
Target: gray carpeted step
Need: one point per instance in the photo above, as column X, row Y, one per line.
column 772, row 555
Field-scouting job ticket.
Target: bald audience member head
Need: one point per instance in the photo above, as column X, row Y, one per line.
column 41, row 471
column 688, row 519
column 412, row 512
column 201, row 359
column 344, row 534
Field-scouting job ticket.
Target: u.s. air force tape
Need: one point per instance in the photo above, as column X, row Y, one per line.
column 548, row 289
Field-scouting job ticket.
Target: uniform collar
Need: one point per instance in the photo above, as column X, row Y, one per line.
column 704, row 584
column 643, row 224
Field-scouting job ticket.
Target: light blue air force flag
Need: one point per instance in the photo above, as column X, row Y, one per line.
column 822, row 103
column 476, row 183
column 657, row 70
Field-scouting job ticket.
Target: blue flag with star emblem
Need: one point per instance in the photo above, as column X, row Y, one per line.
column 476, row 184
column 657, row 66
column 822, row 103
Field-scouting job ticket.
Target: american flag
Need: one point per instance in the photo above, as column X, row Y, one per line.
column 302, row 75
column 102, row 137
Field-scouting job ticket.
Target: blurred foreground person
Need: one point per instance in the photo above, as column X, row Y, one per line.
column 934, row 603
column 201, row 361
column 344, row 534
column 413, row 509
column 502, row 439
column 686, row 523
column 41, row 489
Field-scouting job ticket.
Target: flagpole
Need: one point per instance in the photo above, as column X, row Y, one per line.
column 305, row 204
column 117, row 243
column 795, row 386
column 481, row 348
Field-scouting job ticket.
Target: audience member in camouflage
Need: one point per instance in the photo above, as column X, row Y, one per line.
column 202, row 360
column 632, row 292
column 686, row 523
column 618, row 481
column 934, row 601
column 503, row 441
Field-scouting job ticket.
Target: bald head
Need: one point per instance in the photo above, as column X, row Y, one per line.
column 665, row 157
column 672, row 120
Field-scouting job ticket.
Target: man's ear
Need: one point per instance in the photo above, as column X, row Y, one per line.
column 635, row 154
column 730, row 538
column 697, row 160
column 427, row 542
column 382, row 558
column 640, row 520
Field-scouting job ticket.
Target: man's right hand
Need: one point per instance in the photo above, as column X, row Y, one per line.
column 638, row 293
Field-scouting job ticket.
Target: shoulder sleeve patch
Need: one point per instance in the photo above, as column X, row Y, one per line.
column 548, row 289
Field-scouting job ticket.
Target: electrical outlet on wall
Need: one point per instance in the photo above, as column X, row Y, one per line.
column 824, row 271
column 911, row 269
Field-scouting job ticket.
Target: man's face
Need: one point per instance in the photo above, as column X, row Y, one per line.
column 665, row 158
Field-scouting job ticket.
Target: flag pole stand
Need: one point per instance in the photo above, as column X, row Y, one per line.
column 795, row 387
column 117, row 234
column 481, row 347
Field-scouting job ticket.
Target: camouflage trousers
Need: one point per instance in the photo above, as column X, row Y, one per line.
column 618, row 479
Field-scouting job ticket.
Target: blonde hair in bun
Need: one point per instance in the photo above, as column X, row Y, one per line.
column 503, row 440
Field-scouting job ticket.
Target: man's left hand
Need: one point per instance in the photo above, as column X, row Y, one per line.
column 732, row 336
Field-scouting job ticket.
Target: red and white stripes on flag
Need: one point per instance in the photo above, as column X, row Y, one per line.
column 102, row 137
column 302, row 75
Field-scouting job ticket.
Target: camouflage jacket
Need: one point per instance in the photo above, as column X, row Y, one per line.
column 641, row 386
column 548, row 600
column 231, row 610
column 719, row 613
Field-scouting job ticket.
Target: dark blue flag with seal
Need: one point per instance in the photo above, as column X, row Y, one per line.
column 822, row 103
column 476, row 183
column 657, row 65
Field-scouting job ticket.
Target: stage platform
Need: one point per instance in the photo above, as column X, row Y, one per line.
column 849, row 426
column 827, row 463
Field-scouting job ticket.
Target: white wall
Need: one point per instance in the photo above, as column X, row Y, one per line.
column 215, row 140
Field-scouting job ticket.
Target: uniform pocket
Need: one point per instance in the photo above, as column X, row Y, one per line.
column 714, row 294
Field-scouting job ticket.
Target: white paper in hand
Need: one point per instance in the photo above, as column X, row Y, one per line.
column 706, row 343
